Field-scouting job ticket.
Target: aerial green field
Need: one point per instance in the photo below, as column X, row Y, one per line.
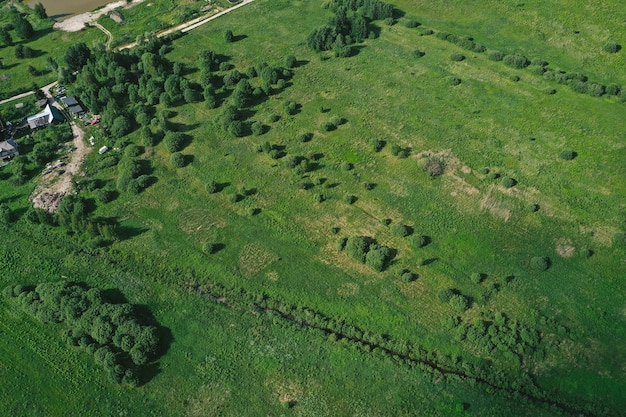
column 500, row 192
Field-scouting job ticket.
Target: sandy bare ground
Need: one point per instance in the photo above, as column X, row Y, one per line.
column 54, row 186
column 77, row 23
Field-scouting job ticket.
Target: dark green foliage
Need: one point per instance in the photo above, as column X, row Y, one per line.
column 347, row 166
column 408, row 276
column 377, row 144
column 229, row 36
column 412, row 23
column 495, row 55
column 291, row 107
column 540, row 263
column 508, row 182
column 257, row 128
column 375, row 258
column 22, row 26
column 40, row 11
column 104, row 196
column 457, row 57
column 212, row 187
column 174, row 141
column 454, row 81
column 114, row 333
column 568, row 155
column 322, row 38
column 208, row 248
column 77, row 56
column 327, row 126
column 132, row 151
column 5, row 37
column 357, row 247
column 549, row 91
column 595, row 89
column 22, row 51
column 400, row 230
column 434, row 167
column 612, row 47
column 178, row 160
column 349, row 199
column 516, row 61
column 514, row 78
column 426, row 32
column 290, row 62
column 418, row 54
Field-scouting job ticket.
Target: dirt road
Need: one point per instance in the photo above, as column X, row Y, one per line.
column 54, row 186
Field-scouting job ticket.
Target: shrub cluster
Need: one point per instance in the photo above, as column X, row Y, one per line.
column 366, row 250
column 114, row 333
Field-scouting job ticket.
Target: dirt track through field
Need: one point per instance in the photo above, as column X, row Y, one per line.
column 54, row 186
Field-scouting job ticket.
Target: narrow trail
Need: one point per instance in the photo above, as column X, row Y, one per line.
column 106, row 32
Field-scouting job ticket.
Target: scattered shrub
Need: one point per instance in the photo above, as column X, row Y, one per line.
column 495, row 55
column 540, row 263
column 454, row 81
column 568, row 155
column 514, row 78
column 478, row 48
column 459, row 303
column 508, row 182
column 595, row 89
column 377, row 144
column 484, row 171
column 174, row 141
column 586, row 253
column 419, row 241
column 327, row 127
column 412, row 23
column 212, row 187
column 426, row 32
column 208, row 248
column 418, row 54
column 400, row 230
column 533, row 208
column 457, row 57
column 516, row 61
column 434, row 167
column 476, row 277
column 340, row 243
column 347, row 166
column 257, row 128
column 549, row 91
column 612, row 47
column 178, row 160
column 408, row 276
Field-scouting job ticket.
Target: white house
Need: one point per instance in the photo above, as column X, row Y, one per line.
column 48, row 115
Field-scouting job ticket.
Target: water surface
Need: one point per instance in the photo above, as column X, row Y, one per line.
column 62, row 9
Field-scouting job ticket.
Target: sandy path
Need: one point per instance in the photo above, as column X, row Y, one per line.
column 53, row 187
column 106, row 32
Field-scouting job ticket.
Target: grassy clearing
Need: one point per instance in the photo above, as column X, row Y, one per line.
column 287, row 250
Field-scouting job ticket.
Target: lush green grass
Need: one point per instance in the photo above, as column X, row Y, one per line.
column 288, row 250
column 46, row 43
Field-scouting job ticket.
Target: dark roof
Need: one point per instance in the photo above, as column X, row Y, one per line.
column 76, row 109
column 42, row 103
column 69, row 101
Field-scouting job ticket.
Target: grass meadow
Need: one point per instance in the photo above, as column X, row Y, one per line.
column 278, row 240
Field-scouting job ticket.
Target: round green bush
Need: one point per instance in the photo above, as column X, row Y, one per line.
column 568, row 155
column 408, row 277
column 514, row 78
column 412, row 23
column 133, row 151
column 484, row 171
column 418, row 54
column 540, row 263
column 586, row 253
column 457, row 57
column 533, row 208
column 208, row 248
column 454, row 81
column 445, row 294
column 508, row 182
column 493, row 176
column 400, row 230
column 174, row 141
column 419, row 241
column 426, row 32
column 476, row 277
column 459, row 303
column 327, row 126
column 612, row 47
column 178, row 160
column 549, row 91
column 211, row 187
column 516, row 61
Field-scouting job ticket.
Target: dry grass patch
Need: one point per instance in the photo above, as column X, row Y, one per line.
column 565, row 248
column 254, row 258
column 197, row 220
column 209, row 400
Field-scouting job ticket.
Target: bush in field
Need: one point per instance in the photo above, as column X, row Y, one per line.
column 408, row 276
column 426, row 32
column 454, row 81
column 357, row 247
column 349, row 199
column 508, row 182
column 457, row 57
column 400, row 230
column 376, row 258
column 208, row 248
column 476, row 277
column 540, row 263
column 412, row 23
column 290, row 61
column 327, row 126
column 104, row 196
column 516, row 61
column 418, row 54
column 459, row 303
column 178, row 160
column 257, row 128
column 568, row 155
column 595, row 89
column 612, row 47
column 434, row 167
column 212, row 187
column 514, row 78
column 419, row 241
column 377, row 144
column 174, row 141
column 495, row 55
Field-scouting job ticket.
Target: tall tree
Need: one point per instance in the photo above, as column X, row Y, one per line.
column 77, row 56
column 40, row 11
column 22, row 26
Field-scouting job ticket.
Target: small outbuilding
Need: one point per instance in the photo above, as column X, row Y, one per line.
column 69, row 101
